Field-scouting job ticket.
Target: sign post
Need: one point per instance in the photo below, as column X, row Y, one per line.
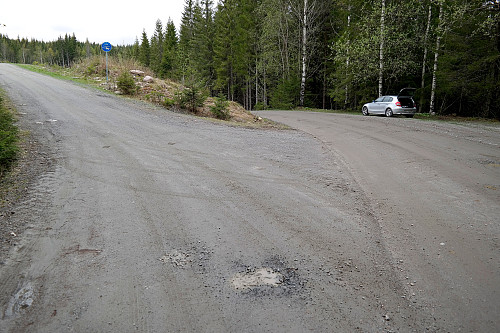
column 106, row 47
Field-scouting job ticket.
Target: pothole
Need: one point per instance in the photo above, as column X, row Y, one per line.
column 20, row 301
column 257, row 278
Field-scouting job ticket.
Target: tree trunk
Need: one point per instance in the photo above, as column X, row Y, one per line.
column 304, row 56
column 256, row 83
column 348, row 60
column 381, row 57
column 436, row 55
column 426, row 37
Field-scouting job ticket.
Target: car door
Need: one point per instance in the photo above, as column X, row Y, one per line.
column 377, row 105
column 385, row 103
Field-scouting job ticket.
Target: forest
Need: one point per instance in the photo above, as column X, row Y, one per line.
column 329, row 54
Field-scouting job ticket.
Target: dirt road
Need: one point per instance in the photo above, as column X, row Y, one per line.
column 434, row 190
column 151, row 221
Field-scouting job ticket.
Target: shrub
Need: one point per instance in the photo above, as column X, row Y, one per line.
column 219, row 110
column 126, row 83
column 8, row 138
column 190, row 98
column 156, row 97
column 168, row 102
column 95, row 67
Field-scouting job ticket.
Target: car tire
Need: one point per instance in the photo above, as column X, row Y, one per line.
column 388, row 112
column 365, row 111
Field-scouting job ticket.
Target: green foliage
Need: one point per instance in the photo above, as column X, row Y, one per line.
column 190, row 98
column 169, row 51
column 126, row 83
column 260, row 106
column 285, row 95
column 157, row 47
column 95, row 68
column 145, row 50
column 8, row 138
column 219, row 110
column 158, row 97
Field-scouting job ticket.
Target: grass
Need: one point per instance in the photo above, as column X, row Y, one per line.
column 9, row 136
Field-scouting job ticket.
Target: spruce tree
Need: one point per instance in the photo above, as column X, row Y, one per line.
column 145, row 51
column 202, row 44
column 185, row 40
column 169, row 51
column 157, row 47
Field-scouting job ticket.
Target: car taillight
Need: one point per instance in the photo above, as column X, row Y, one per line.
column 398, row 103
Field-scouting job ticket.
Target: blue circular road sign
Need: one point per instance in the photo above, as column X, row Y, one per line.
column 106, row 47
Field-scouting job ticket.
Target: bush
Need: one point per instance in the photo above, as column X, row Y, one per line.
column 156, row 97
column 190, row 98
column 95, row 68
column 126, row 83
column 8, row 138
column 168, row 102
column 219, row 110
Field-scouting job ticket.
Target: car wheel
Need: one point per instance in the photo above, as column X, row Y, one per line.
column 365, row 111
column 388, row 112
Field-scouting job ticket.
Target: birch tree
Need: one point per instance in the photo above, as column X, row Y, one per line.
column 424, row 61
column 381, row 50
column 309, row 14
column 439, row 35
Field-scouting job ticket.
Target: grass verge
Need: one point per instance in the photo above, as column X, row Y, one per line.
column 9, row 136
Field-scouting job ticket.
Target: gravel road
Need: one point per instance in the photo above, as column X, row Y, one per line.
column 152, row 221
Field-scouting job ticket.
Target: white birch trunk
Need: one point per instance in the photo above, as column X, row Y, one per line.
column 436, row 55
column 426, row 37
column 381, row 57
column 348, row 60
column 304, row 55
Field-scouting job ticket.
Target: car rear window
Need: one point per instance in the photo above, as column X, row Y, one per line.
column 387, row 99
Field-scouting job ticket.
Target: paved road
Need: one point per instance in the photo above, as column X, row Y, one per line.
column 151, row 221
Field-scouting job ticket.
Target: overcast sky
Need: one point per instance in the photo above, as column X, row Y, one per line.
column 117, row 22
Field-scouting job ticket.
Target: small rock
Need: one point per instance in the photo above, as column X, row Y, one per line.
column 148, row 79
column 136, row 72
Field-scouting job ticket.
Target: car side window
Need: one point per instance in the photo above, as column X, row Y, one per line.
column 378, row 100
column 387, row 99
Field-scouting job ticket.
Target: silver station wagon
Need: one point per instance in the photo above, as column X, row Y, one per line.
column 390, row 105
